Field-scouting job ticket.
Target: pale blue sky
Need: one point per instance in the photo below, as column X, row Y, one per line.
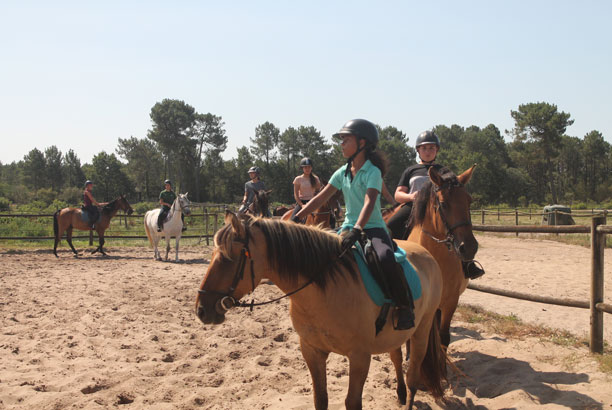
column 80, row 75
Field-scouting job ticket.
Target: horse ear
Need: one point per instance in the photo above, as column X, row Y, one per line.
column 435, row 177
column 268, row 192
column 231, row 218
column 465, row 177
column 186, row 193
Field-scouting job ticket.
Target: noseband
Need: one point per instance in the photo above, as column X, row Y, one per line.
column 439, row 207
column 227, row 300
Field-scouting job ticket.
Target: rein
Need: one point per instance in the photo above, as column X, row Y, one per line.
column 450, row 238
column 227, row 300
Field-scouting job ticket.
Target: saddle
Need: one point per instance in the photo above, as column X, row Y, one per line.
column 86, row 216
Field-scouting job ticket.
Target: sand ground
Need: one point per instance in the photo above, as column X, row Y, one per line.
column 94, row 332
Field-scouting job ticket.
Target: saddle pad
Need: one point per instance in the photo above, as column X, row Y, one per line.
column 85, row 216
column 376, row 294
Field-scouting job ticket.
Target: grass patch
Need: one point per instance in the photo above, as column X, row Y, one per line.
column 511, row 326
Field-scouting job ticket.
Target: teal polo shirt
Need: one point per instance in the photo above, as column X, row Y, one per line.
column 354, row 192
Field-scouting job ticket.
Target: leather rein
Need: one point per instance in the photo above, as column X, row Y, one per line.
column 439, row 207
column 227, row 300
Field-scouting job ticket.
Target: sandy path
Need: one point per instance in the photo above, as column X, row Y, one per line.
column 100, row 332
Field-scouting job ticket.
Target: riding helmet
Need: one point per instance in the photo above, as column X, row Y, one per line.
column 305, row 162
column 167, row 181
column 427, row 137
column 87, row 183
column 253, row 169
column 360, row 128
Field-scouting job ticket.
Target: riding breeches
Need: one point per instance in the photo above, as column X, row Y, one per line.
column 398, row 223
column 162, row 216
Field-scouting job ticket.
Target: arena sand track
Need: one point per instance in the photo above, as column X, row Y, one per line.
column 97, row 332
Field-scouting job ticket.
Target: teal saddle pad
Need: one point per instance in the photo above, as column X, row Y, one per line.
column 86, row 218
column 375, row 292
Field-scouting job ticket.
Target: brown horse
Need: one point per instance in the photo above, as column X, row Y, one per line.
column 259, row 206
column 441, row 223
column 330, row 307
column 67, row 219
column 322, row 216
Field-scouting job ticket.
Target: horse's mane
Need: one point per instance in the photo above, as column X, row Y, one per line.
column 110, row 207
column 425, row 195
column 295, row 249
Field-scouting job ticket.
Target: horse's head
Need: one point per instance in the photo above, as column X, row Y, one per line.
column 450, row 202
column 223, row 284
column 184, row 203
column 260, row 204
column 123, row 204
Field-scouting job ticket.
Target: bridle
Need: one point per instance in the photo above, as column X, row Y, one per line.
column 449, row 240
column 227, row 300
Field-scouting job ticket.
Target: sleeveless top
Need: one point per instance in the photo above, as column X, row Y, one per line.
column 86, row 200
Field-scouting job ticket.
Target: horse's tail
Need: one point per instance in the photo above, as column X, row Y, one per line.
column 147, row 230
column 433, row 368
column 56, row 224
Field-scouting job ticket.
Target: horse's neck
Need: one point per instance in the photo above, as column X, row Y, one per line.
column 175, row 207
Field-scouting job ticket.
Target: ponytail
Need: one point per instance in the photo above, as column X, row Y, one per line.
column 379, row 159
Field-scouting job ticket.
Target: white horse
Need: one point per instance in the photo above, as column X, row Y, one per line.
column 173, row 225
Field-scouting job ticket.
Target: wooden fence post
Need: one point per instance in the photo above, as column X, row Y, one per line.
column 206, row 225
column 215, row 223
column 482, row 212
column 91, row 237
column 498, row 213
column 597, row 283
column 516, row 218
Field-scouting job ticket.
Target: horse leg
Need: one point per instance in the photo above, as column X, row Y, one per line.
column 156, row 254
column 396, row 358
column 167, row 245
column 101, row 247
column 69, row 240
column 177, row 238
column 447, row 312
column 359, row 365
column 316, row 361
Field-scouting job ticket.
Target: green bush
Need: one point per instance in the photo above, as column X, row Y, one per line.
column 142, row 207
column 72, row 196
column 46, row 195
column 5, row 204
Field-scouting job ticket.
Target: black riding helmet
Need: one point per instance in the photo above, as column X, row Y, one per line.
column 360, row 128
column 167, row 181
column 88, row 182
column 305, row 162
column 427, row 137
column 253, row 169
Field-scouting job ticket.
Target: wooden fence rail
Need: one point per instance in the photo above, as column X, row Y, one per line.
column 598, row 231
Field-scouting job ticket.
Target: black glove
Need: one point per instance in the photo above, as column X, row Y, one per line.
column 349, row 240
column 294, row 218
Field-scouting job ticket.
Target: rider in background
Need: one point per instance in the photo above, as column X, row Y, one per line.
column 250, row 187
column 427, row 146
column 166, row 199
column 304, row 187
column 360, row 180
column 90, row 205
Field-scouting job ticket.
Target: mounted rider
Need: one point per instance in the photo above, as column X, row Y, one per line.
column 360, row 180
column 166, row 199
column 305, row 186
column 250, row 188
column 90, row 205
column 412, row 180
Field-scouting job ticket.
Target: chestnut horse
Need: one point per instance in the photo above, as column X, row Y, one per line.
column 330, row 307
column 67, row 219
column 441, row 223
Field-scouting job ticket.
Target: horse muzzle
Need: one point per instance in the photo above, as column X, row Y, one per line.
column 466, row 249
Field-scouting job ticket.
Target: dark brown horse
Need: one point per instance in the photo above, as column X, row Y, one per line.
column 330, row 308
column 328, row 212
column 67, row 219
column 259, row 206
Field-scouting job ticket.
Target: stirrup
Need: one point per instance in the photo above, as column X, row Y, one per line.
column 472, row 269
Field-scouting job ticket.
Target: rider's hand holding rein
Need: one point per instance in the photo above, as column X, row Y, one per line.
column 317, row 201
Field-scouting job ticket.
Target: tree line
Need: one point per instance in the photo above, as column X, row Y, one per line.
column 540, row 165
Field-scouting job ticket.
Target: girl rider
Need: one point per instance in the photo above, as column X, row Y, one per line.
column 427, row 146
column 90, row 205
column 304, row 187
column 166, row 198
column 360, row 180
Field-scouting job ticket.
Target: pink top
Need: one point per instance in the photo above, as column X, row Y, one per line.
column 305, row 190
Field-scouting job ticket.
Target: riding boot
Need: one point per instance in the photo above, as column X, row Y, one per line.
column 403, row 298
column 472, row 270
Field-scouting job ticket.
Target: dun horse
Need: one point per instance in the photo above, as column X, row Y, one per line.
column 67, row 219
column 330, row 307
column 322, row 216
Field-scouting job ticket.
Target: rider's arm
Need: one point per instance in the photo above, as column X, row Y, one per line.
column 93, row 200
column 318, row 200
column 296, row 194
column 368, row 206
column 387, row 195
column 402, row 194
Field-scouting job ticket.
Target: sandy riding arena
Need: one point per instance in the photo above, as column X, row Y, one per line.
column 96, row 332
